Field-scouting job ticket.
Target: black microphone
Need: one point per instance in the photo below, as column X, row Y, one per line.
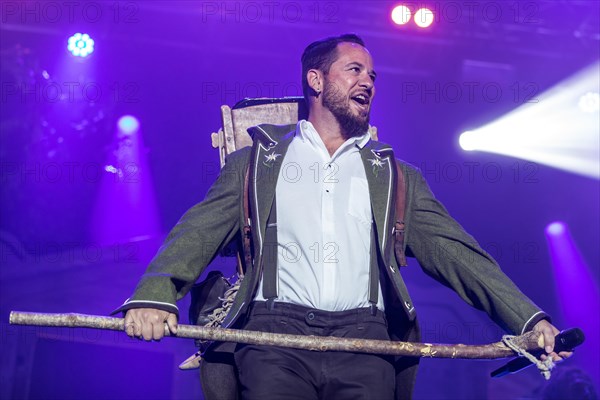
column 564, row 341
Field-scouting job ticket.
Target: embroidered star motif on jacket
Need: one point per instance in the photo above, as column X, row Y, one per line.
column 377, row 165
column 270, row 159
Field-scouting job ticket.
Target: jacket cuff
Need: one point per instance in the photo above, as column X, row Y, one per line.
column 159, row 305
column 535, row 318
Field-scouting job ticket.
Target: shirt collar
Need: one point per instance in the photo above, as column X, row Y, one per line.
column 306, row 131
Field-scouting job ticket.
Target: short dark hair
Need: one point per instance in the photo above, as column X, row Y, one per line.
column 321, row 54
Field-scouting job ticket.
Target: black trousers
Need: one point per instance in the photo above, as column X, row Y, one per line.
column 267, row 372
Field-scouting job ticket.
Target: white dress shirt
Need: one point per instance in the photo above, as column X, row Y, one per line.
column 324, row 225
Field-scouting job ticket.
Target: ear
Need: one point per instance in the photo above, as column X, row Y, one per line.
column 315, row 80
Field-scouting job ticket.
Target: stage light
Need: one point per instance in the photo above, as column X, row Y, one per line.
column 590, row 102
column 467, row 141
column 128, row 124
column 114, row 170
column 556, row 228
column 423, row 17
column 557, row 127
column 81, row 45
column 126, row 208
column 401, row 15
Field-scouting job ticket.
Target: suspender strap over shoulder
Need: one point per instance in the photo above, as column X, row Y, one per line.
column 373, row 273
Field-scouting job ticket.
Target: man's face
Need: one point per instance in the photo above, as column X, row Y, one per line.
column 348, row 88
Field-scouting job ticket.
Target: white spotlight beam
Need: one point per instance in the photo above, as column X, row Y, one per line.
column 554, row 130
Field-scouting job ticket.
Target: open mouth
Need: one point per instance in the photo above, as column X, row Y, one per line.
column 361, row 100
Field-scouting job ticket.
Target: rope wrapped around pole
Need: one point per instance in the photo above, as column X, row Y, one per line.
column 529, row 341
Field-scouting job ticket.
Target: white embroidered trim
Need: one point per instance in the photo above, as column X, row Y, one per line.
column 150, row 301
column 529, row 320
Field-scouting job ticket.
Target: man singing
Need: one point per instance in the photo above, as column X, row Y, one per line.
column 334, row 272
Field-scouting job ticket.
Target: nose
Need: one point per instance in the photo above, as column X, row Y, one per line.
column 366, row 82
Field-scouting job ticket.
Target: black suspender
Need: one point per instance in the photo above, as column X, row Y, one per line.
column 373, row 272
column 270, row 258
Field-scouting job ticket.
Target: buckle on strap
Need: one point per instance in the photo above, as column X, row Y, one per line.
column 398, row 228
column 373, row 309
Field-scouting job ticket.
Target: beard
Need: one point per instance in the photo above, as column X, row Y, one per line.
column 353, row 124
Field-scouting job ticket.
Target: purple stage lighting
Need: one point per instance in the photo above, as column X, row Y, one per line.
column 81, row 45
column 126, row 210
column 401, row 15
column 556, row 228
column 423, row 17
column 577, row 290
column 128, row 124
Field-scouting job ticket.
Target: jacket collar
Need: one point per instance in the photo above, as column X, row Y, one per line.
column 270, row 147
column 380, row 169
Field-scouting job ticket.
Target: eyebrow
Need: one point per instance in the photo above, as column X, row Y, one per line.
column 372, row 72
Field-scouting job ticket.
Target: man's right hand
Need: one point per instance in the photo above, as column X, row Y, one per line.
column 149, row 323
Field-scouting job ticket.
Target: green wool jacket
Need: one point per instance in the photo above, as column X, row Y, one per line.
column 441, row 246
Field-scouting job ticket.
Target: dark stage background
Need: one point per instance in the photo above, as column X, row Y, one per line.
column 84, row 206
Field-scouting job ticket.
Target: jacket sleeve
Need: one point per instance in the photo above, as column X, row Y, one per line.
column 193, row 243
column 451, row 256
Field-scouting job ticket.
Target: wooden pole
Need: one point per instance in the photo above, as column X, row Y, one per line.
column 529, row 341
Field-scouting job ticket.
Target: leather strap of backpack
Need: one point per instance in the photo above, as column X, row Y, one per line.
column 246, row 230
column 399, row 224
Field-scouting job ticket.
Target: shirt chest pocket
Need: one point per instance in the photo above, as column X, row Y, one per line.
column 359, row 203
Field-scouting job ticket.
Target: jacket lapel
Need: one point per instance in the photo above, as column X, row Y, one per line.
column 268, row 155
column 379, row 169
